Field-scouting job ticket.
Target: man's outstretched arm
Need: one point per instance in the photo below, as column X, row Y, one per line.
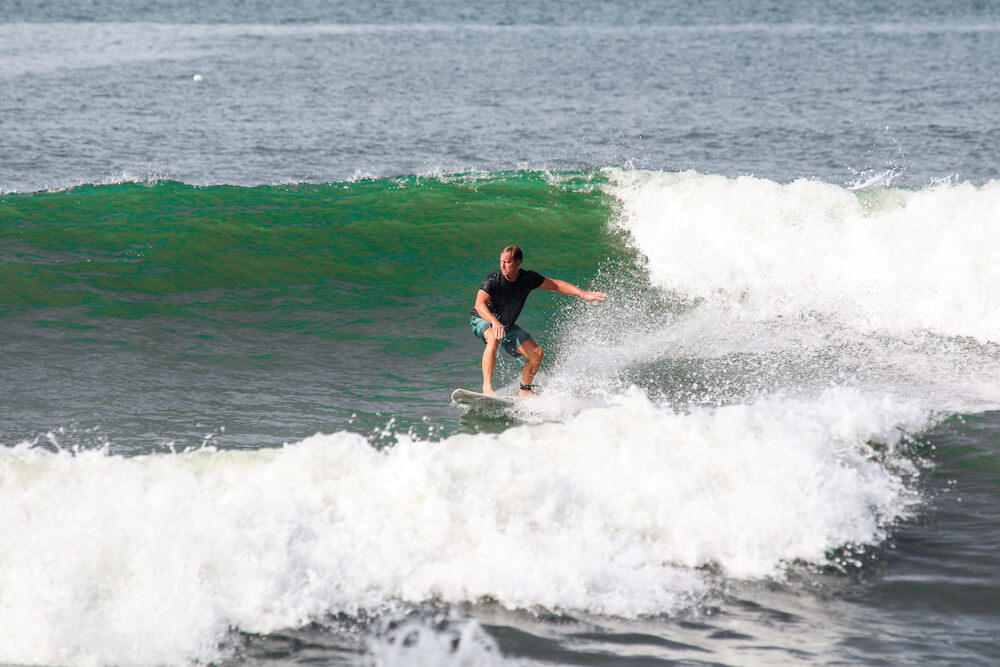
column 564, row 287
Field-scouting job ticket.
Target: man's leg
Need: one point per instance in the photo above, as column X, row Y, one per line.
column 533, row 354
column 489, row 363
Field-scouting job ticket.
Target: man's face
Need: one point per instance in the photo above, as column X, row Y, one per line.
column 508, row 265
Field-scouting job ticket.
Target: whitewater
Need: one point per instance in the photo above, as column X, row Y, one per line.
column 152, row 559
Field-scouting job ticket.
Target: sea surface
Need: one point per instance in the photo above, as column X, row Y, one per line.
column 239, row 242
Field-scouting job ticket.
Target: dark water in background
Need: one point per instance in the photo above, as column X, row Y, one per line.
column 319, row 92
column 776, row 443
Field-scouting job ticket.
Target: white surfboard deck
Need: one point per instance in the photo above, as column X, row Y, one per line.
column 474, row 399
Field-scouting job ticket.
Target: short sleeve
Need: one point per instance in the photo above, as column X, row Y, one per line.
column 488, row 284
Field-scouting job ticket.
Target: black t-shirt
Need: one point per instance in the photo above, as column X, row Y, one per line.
column 507, row 296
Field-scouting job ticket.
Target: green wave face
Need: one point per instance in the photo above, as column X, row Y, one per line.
column 226, row 253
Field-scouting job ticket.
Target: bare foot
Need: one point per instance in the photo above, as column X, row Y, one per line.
column 489, row 391
column 523, row 393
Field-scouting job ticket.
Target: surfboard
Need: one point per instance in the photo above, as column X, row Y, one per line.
column 474, row 399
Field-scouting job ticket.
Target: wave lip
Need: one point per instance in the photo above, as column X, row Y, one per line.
column 894, row 260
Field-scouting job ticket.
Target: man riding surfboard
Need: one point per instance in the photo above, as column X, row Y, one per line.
column 499, row 302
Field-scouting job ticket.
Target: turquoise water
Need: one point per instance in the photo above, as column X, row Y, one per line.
column 233, row 309
column 319, row 305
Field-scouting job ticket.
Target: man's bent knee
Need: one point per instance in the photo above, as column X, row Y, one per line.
column 532, row 351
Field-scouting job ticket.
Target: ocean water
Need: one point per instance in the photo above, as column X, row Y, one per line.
column 239, row 246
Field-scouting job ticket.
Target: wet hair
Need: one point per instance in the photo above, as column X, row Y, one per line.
column 518, row 255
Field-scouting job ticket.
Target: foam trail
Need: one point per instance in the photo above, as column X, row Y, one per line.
column 443, row 640
column 151, row 559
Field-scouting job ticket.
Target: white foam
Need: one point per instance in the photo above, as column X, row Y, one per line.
column 151, row 559
column 891, row 260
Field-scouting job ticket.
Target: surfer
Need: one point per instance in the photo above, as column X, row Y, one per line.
column 498, row 303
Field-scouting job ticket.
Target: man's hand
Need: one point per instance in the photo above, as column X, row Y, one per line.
column 498, row 331
column 593, row 296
